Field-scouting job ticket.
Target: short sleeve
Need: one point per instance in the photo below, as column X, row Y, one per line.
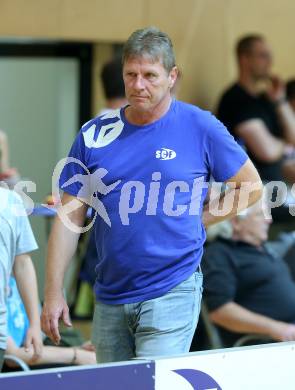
column 240, row 114
column 235, row 107
column 25, row 240
column 75, row 167
column 245, row 113
column 224, row 155
column 220, row 280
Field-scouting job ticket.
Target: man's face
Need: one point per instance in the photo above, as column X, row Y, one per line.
column 147, row 83
column 254, row 226
column 259, row 60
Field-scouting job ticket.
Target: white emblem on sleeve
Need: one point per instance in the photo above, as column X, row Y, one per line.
column 107, row 133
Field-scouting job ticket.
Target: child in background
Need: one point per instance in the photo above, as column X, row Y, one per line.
column 18, row 325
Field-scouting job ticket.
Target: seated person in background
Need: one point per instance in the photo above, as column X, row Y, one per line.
column 248, row 287
column 7, row 174
column 18, row 325
column 263, row 122
column 16, row 241
column 290, row 92
column 113, row 85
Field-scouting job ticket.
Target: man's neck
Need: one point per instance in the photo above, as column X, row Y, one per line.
column 248, row 239
column 248, row 83
column 144, row 117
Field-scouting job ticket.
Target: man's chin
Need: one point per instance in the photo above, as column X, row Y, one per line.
column 139, row 105
column 264, row 238
column 262, row 78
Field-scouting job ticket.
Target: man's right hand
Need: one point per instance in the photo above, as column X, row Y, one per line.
column 277, row 90
column 54, row 309
column 283, row 331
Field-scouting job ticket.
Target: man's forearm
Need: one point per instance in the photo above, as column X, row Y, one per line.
column 238, row 319
column 242, row 198
column 245, row 190
column 62, row 245
column 61, row 248
column 287, row 118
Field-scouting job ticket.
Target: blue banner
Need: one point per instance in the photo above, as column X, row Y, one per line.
column 133, row 376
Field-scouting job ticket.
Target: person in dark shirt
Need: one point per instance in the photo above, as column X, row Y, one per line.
column 113, row 85
column 248, row 287
column 290, row 92
column 263, row 122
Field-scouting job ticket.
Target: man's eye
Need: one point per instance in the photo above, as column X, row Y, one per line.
column 151, row 76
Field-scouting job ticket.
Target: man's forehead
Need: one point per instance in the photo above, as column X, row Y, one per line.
column 261, row 45
column 143, row 60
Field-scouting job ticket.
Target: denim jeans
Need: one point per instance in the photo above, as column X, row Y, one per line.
column 157, row 327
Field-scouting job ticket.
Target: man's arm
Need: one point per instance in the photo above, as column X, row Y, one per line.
column 247, row 190
column 26, row 280
column 260, row 142
column 62, row 245
column 235, row 318
column 277, row 93
column 287, row 118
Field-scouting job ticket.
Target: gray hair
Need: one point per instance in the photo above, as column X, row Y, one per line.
column 152, row 43
column 249, row 210
column 222, row 229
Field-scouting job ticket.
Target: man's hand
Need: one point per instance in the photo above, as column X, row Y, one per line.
column 53, row 310
column 283, row 331
column 34, row 339
column 276, row 91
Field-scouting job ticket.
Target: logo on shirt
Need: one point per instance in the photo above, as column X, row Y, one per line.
column 165, row 154
column 107, row 133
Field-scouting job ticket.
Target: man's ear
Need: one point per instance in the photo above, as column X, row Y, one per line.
column 173, row 76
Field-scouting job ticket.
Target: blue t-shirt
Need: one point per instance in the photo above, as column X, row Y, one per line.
column 147, row 186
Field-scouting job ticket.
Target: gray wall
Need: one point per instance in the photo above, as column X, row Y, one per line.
column 39, row 113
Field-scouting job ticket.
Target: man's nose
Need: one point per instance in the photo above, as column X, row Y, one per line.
column 139, row 83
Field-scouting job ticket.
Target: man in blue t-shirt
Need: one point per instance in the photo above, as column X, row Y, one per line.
column 143, row 168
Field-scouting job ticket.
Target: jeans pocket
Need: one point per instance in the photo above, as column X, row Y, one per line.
column 199, row 280
column 188, row 285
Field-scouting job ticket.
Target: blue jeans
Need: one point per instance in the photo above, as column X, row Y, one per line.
column 157, row 327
